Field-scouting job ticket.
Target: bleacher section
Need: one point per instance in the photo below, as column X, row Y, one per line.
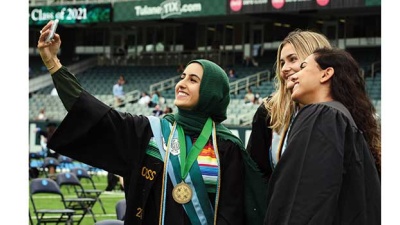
column 366, row 56
column 374, row 86
column 99, row 81
column 37, row 68
column 52, row 104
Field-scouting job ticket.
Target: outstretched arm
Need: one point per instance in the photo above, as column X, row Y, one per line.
column 67, row 85
column 48, row 50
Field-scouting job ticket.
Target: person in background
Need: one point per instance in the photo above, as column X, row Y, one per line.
column 122, row 78
column 118, row 92
column 272, row 118
column 329, row 171
column 157, row 111
column 155, row 97
column 180, row 68
column 45, row 136
column 218, row 184
column 232, row 75
column 42, row 115
column 168, row 110
column 112, row 181
column 144, row 99
column 249, row 97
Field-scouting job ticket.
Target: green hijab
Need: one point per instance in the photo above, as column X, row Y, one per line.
column 213, row 102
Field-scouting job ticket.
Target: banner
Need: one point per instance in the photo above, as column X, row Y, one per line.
column 259, row 6
column 156, row 9
column 372, row 2
column 70, row 14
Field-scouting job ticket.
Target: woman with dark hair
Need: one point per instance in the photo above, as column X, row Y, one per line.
column 185, row 168
column 329, row 171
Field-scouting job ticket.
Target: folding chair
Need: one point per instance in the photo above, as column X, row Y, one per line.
column 110, row 222
column 93, row 171
column 35, row 164
column 47, row 163
column 66, row 163
column 81, row 173
column 47, row 186
column 35, row 159
column 81, row 204
column 30, row 218
column 120, row 209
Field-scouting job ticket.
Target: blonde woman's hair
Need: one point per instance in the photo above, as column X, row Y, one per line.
column 280, row 106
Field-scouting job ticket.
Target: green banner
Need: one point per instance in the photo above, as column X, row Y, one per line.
column 156, row 9
column 70, row 14
column 372, row 2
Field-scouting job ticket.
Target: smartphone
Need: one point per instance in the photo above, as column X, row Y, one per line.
column 52, row 30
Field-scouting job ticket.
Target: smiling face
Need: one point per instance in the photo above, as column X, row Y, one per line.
column 290, row 63
column 187, row 90
column 311, row 82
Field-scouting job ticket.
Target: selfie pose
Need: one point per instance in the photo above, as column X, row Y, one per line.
column 186, row 168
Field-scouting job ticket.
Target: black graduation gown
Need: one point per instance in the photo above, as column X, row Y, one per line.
column 260, row 141
column 98, row 135
column 326, row 175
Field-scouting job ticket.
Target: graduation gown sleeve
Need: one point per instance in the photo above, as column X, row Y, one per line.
column 68, row 87
column 324, row 176
column 95, row 133
column 260, row 141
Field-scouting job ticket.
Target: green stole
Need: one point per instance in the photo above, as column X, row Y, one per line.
column 199, row 208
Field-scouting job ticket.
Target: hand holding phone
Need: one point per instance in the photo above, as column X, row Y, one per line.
column 52, row 30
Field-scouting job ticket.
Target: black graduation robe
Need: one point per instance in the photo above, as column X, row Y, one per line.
column 326, row 175
column 98, row 135
column 260, row 141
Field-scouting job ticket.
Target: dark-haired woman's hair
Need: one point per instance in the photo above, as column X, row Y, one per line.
column 348, row 87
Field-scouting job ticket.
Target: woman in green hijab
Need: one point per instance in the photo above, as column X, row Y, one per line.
column 186, row 168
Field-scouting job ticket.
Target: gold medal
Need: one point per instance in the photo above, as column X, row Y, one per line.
column 182, row 193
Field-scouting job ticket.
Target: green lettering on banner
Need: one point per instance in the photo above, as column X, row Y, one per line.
column 156, row 9
column 70, row 14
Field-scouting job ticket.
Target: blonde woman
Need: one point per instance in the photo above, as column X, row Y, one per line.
column 272, row 118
